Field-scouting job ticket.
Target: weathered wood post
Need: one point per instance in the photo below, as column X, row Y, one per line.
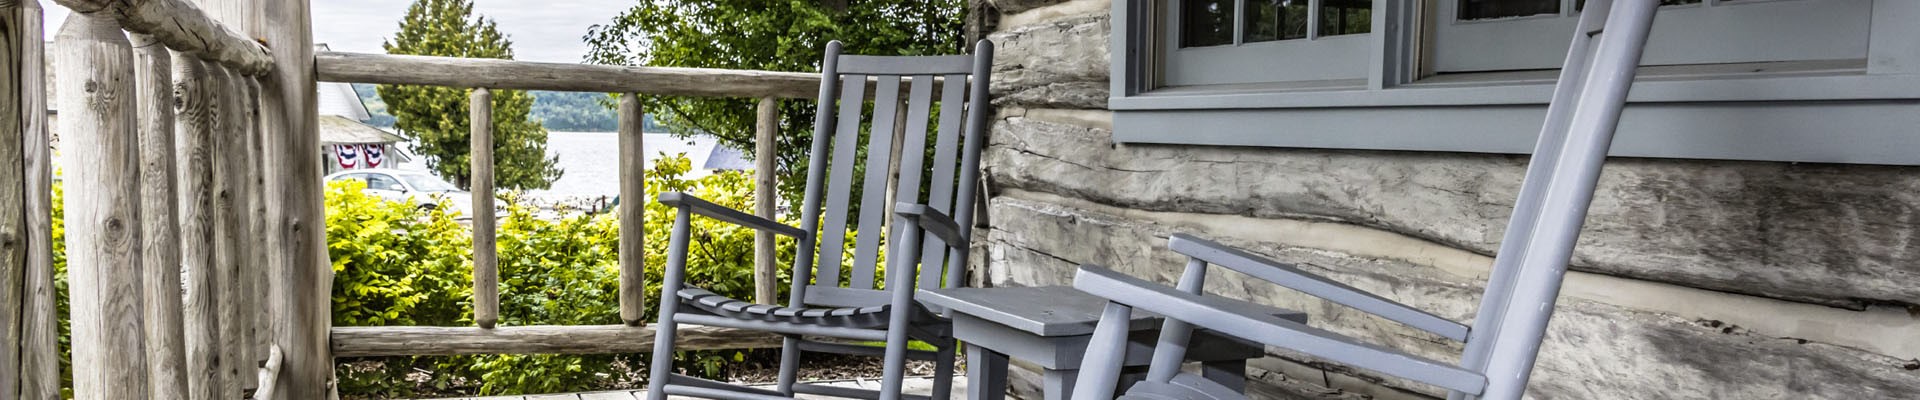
column 160, row 229
column 239, row 152
column 197, row 110
column 486, row 261
column 103, row 225
column 301, row 277
column 257, row 198
column 633, row 210
column 766, row 137
column 13, row 194
column 39, row 349
column 229, row 239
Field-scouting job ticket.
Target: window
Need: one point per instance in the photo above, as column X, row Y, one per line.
column 1507, row 35
column 1253, row 41
column 383, row 182
column 1779, row 80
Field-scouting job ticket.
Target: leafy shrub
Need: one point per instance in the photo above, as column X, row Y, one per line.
column 398, row 265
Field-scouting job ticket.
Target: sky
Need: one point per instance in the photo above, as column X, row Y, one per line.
column 541, row 30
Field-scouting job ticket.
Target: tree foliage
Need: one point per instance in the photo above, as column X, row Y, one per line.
column 437, row 117
column 778, row 35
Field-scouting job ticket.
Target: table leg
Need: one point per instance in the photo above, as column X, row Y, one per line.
column 986, row 374
column 1058, row 384
column 1232, row 374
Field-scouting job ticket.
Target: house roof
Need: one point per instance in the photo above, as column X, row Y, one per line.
column 336, row 129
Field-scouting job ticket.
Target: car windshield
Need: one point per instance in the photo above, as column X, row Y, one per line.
column 427, row 183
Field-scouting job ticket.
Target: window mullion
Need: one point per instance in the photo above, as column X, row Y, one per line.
column 1239, row 22
column 1313, row 19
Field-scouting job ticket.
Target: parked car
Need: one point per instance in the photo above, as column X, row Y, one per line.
column 420, row 189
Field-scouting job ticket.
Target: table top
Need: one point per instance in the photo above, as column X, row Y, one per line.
column 1042, row 310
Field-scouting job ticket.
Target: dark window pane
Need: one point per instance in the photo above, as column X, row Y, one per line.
column 1345, row 17
column 1494, row 9
column 1206, row 23
column 1580, row 5
column 1270, row 20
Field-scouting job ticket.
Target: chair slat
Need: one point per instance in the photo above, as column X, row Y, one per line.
column 945, row 161
column 840, row 181
column 885, row 65
column 912, row 162
column 873, row 198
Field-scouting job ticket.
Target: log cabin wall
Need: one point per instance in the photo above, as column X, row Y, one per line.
column 1694, row 279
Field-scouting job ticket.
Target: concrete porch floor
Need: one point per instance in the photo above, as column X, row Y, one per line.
column 920, row 385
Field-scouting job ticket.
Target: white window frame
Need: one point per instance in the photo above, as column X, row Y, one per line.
column 1864, row 112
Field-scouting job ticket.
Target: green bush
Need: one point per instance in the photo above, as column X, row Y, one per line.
column 397, row 265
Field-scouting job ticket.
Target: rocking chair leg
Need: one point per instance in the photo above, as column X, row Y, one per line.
column 667, row 329
column 900, row 282
column 789, row 365
column 943, row 373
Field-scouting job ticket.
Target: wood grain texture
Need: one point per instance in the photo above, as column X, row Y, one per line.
column 196, row 123
column 633, row 211
column 229, row 240
column 486, row 257
column 765, row 190
column 182, row 27
column 159, row 219
column 13, row 195
column 300, row 275
column 593, row 339
column 39, row 364
column 507, row 74
column 102, row 218
column 257, row 223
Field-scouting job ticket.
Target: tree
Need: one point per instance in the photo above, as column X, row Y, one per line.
column 436, row 117
column 778, row 35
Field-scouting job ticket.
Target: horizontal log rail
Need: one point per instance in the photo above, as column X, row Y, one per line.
column 526, row 75
column 185, row 28
column 379, row 341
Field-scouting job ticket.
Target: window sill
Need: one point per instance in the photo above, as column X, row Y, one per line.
column 1844, row 80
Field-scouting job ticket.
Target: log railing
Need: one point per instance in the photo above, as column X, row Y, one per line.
column 485, row 75
column 191, row 189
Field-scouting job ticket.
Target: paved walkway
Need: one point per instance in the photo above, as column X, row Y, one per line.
column 915, row 385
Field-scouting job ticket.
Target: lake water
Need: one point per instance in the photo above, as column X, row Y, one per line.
column 591, row 161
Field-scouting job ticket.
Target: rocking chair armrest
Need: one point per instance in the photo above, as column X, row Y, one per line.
column 719, row 212
column 1294, row 278
column 933, row 222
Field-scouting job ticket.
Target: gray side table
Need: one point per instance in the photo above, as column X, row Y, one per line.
column 1050, row 326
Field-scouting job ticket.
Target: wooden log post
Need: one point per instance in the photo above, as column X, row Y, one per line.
column 13, row 195
column 242, row 155
column 300, row 275
column 159, row 223
column 633, row 210
column 39, row 349
column 183, row 27
column 102, row 220
column 765, row 189
column 196, row 111
column 486, row 261
column 257, row 224
column 229, row 241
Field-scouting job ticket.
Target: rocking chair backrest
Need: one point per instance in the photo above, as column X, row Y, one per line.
column 958, row 85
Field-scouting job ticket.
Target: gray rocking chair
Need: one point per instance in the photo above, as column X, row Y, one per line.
column 861, row 311
column 1504, row 341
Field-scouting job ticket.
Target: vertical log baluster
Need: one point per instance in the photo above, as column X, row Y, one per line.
column 40, row 354
column 13, row 196
column 765, row 138
column 229, row 228
column 486, row 262
column 301, row 275
column 257, row 198
column 633, row 210
column 102, row 220
column 196, row 122
column 159, row 223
